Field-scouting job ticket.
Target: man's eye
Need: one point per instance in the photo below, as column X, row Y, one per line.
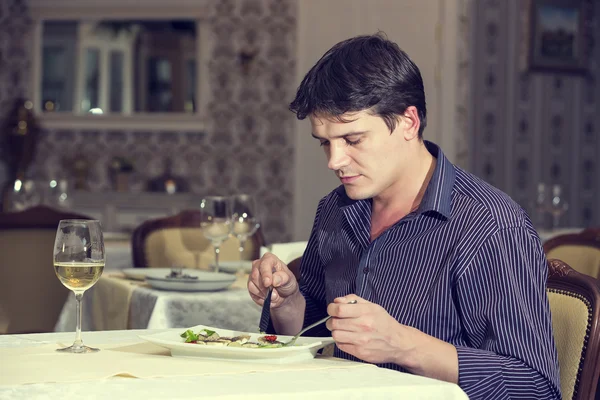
column 352, row 142
column 324, row 143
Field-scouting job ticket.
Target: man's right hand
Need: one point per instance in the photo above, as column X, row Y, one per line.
column 270, row 270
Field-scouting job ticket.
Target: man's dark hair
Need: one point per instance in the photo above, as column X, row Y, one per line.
column 362, row 73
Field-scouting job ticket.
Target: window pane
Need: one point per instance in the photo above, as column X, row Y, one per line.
column 116, row 81
column 92, row 80
column 190, row 100
column 159, row 85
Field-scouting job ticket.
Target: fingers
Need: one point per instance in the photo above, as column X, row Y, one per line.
column 267, row 266
column 350, row 298
column 343, row 308
column 270, row 271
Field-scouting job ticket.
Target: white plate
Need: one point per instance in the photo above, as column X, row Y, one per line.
column 304, row 348
column 206, row 282
column 138, row 274
column 234, row 266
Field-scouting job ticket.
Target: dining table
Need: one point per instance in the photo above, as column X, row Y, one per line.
column 128, row 366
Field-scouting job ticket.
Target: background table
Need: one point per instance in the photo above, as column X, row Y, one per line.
column 115, row 303
column 337, row 379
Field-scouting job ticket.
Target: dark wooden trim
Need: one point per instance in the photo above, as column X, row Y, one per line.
column 185, row 219
column 561, row 277
column 589, row 237
column 38, row 217
column 294, row 266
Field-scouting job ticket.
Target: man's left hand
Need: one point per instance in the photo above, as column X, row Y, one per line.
column 366, row 331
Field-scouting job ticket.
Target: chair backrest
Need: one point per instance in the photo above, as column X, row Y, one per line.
column 575, row 304
column 178, row 241
column 294, row 266
column 581, row 251
column 31, row 296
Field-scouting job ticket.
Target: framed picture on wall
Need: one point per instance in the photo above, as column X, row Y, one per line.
column 558, row 36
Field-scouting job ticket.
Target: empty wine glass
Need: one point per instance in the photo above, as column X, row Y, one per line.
column 542, row 204
column 558, row 206
column 78, row 264
column 215, row 222
column 245, row 219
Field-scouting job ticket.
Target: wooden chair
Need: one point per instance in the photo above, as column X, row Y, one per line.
column 294, row 266
column 581, row 251
column 575, row 304
column 31, row 296
column 178, row 241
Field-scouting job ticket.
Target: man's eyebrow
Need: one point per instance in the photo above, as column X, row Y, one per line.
column 342, row 135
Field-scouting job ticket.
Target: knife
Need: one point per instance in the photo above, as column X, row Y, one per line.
column 265, row 314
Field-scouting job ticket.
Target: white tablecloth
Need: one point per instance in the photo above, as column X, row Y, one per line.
column 349, row 381
column 156, row 309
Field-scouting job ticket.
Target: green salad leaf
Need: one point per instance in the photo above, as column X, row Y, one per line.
column 189, row 336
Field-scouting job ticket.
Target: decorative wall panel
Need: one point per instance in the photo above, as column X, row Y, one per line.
column 248, row 143
column 530, row 128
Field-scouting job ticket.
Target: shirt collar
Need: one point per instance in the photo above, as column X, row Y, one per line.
column 438, row 195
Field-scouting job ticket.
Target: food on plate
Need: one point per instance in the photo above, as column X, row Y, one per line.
column 177, row 273
column 207, row 337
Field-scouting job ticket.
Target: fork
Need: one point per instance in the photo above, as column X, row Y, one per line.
column 295, row 337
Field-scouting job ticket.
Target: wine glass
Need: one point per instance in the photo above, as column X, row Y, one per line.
column 78, row 264
column 542, row 204
column 245, row 219
column 558, row 206
column 215, row 222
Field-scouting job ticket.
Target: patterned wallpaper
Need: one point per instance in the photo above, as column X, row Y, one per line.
column 248, row 142
column 529, row 128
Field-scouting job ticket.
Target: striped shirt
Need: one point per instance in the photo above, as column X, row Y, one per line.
column 466, row 267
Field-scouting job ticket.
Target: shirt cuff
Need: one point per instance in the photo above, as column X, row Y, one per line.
column 479, row 370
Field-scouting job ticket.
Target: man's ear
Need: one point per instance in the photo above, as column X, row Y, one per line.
column 410, row 123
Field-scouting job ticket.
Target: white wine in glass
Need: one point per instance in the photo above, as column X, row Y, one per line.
column 216, row 222
column 245, row 219
column 78, row 264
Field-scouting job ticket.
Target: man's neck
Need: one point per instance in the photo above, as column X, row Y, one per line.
column 389, row 209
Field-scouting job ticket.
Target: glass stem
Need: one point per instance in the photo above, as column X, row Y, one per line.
column 217, row 251
column 242, row 244
column 78, row 342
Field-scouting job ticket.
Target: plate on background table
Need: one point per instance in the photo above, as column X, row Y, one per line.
column 304, row 348
column 139, row 274
column 233, row 267
column 193, row 280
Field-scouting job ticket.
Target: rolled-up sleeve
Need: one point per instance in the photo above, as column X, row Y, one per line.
column 506, row 320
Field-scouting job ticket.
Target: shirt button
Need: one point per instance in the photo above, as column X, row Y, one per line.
column 366, row 270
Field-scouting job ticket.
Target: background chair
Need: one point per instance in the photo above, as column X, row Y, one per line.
column 31, row 296
column 581, row 251
column 294, row 266
column 178, row 241
column 575, row 304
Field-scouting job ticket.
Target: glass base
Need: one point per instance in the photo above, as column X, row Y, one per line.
column 78, row 349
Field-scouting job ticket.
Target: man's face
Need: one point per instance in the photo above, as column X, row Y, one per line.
column 366, row 157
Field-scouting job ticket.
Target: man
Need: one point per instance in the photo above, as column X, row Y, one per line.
column 448, row 272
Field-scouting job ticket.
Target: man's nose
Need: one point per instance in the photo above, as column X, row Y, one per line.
column 337, row 157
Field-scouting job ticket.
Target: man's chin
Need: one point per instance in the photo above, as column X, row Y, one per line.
column 355, row 194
